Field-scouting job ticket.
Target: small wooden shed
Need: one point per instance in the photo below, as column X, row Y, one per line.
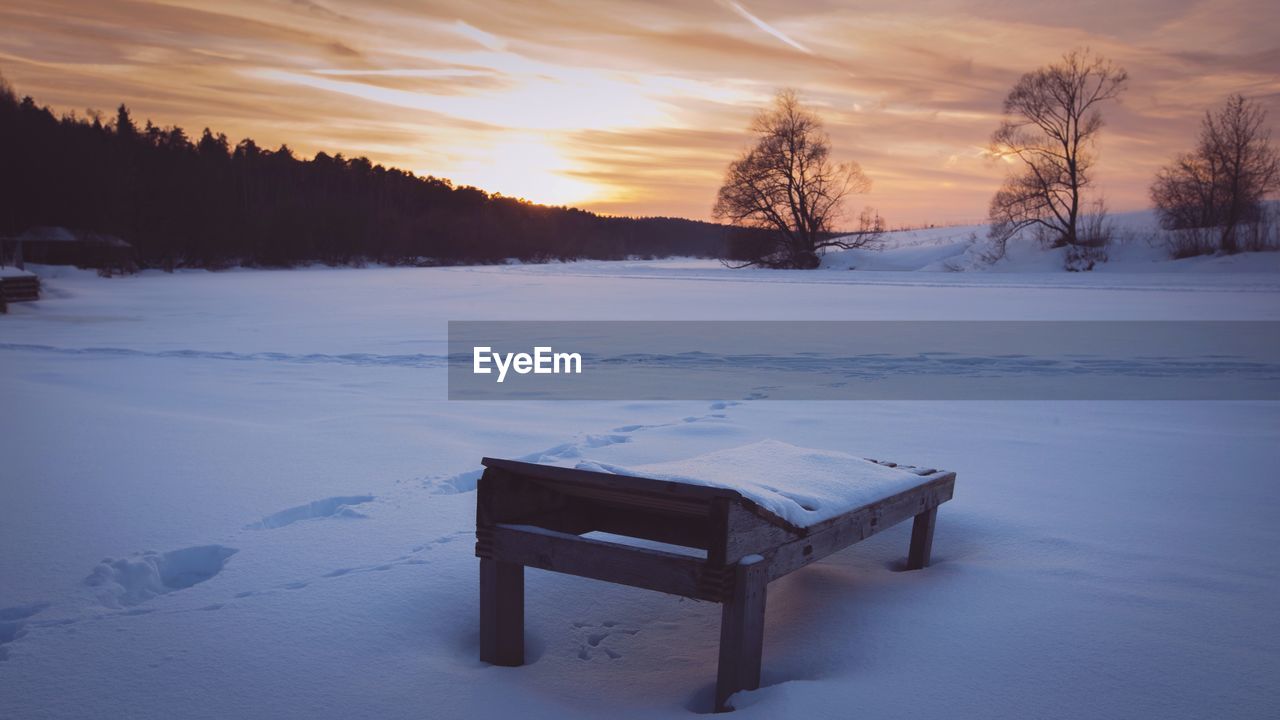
column 537, row 515
column 46, row 245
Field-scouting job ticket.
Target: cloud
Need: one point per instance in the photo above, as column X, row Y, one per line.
column 766, row 27
column 484, row 39
column 639, row 107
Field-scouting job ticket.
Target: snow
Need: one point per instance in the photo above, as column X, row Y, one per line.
column 803, row 486
column 1135, row 248
column 187, row 457
column 643, row 543
column 135, row 580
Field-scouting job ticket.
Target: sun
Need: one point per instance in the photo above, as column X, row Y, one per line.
column 528, row 166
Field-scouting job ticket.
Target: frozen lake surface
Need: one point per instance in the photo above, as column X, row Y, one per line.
column 243, row 494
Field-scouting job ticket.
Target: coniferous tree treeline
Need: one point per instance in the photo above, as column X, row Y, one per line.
column 203, row 202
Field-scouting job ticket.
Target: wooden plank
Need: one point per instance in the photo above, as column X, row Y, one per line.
column 507, row 497
column 631, row 499
column 501, row 613
column 580, row 518
column 597, row 559
column 943, row 482
column 922, row 539
column 517, row 500
column 662, row 495
column 742, row 632
column 748, row 533
column 859, row 524
column 689, row 531
column 626, row 483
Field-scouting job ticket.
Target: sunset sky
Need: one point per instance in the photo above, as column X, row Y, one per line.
column 636, row 107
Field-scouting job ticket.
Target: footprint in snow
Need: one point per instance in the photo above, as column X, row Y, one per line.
column 13, row 624
column 403, row 559
column 140, row 577
column 592, row 638
column 340, row 506
column 466, row 481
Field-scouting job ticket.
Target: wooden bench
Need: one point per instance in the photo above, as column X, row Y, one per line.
column 536, row 515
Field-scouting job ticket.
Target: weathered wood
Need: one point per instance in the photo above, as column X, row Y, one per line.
column 748, row 533
column 941, row 482
column 858, row 524
column 742, row 631
column 501, row 612
column 535, row 515
column 696, row 507
column 509, row 498
column 718, row 533
column 690, row 531
column 922, row 539
column 612, row 562
column 622, row 488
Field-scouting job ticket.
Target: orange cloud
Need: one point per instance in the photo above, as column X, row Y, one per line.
column 636, row 108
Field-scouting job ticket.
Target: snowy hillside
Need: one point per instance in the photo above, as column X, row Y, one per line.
column 1135, row 249
column 243, row 495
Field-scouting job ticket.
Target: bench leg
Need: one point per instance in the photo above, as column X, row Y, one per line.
column 742, row 633
column 501, row 612
column 922, row 539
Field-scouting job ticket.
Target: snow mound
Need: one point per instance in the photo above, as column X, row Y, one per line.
column 1136, row 247
column 340, row 506
column 803, row 486
column 135, row 580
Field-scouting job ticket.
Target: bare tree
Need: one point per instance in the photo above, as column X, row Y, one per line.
column 1052, row 117
column 1223, row 182
column 787, row 185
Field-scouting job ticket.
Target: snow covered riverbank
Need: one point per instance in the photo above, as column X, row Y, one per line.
column 243, row 495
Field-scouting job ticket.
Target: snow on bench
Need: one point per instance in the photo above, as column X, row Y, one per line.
column 803, row 486
column 715, row 527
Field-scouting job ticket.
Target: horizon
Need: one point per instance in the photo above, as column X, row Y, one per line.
column 636, row 112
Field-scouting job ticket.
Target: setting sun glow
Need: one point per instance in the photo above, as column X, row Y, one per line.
column 525, row 166
column 630, row 109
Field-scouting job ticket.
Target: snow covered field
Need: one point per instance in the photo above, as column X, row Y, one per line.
column 243, row 495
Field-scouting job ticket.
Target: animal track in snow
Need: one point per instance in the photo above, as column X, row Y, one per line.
column 340, row 506
column 136, row 579
column 403, row 559
column 442, row 540
column 592, row 638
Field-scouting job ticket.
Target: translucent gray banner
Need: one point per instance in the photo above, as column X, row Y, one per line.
column 864, row 360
